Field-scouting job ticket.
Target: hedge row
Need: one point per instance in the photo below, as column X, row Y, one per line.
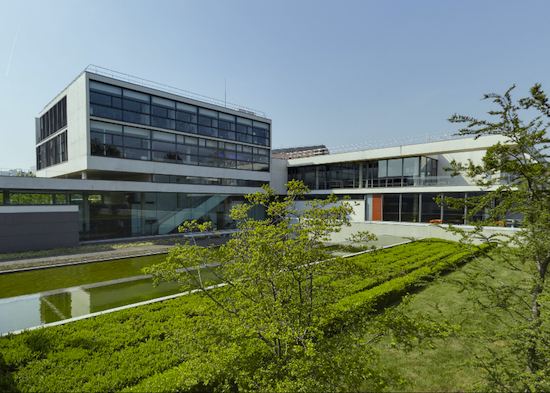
column 214, row 368
column 167, row 347
column 349, row 308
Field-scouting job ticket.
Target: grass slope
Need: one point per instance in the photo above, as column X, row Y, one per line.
column 450, row 364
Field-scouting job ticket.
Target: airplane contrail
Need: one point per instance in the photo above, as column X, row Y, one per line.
column 10, row 58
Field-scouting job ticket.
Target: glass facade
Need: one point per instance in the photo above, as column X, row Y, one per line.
column 216, row 181
column 410, row 207
column 429, row 208
column 422, row 207
column 53, row 120
column 390, row 207
column 396, row 172
column 187, row 122
column 52, row 152
column 107, row 215
column 115, row 140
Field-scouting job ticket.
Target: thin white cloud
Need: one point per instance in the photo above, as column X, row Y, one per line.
column 10, row 58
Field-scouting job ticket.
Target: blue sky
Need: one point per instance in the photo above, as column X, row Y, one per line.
column 338, row 73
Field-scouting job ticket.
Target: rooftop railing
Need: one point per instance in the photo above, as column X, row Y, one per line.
column 94, row 69
column 393, row 142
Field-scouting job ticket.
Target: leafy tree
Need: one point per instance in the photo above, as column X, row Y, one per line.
column 276, row 278
column 516, row 174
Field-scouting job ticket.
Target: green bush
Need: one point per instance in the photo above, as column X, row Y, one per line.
column 173, row 345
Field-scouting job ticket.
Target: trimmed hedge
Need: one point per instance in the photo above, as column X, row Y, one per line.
column 349, row 308
column 166, row 346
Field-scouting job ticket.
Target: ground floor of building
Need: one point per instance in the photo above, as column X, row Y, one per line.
column 123, row 214
column 119, row 214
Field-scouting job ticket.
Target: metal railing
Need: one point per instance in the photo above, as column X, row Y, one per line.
column 413, row 181
column 392, row 142
column 397, row 182
column 94, row 69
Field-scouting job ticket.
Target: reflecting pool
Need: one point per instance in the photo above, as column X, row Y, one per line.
column 42, row 296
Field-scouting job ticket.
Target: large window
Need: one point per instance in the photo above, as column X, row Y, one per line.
column 430, row 209
column 395, row 172
column 345, row 175
column 390, row 207
column 450, row 215
column 53, row 120
column 114, row 140
column 428, row 167
column 116, row 103
column 395, row 167
column 411, row 166
column 52, row 152
column 409, row 207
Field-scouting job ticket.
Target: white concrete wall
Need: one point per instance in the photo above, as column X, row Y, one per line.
column 415, row 230
column 444, row 159
column 77, row 129
column 279, row 175
column 358, row 214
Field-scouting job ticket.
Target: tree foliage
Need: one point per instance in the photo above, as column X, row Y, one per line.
column 516, row 174
column 277, row 286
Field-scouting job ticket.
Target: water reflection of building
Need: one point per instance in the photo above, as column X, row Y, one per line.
column 64, row 305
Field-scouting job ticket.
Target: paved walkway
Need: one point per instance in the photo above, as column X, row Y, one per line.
column 128, row 251
column 382, row 241
column 116, row 252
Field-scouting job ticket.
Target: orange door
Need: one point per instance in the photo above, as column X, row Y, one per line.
column 377, row 207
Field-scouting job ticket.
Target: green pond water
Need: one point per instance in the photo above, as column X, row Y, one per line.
column 15, row 284
column 37, row 297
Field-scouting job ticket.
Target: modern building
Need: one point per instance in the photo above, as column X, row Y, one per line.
column 400, row 183
column 138, row 158
column 118, row 157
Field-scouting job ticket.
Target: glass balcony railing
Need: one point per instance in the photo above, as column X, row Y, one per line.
column 412, row 181
column 415, row 181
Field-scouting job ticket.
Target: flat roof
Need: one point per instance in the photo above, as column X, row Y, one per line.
column 427, row 149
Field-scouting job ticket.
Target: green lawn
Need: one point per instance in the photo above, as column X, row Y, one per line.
column 451, row 364
column 166, row 346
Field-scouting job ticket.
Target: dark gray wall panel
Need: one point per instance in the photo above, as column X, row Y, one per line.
column 38, row 231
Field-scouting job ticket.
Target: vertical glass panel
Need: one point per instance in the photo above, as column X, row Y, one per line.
column 423, row 166
column 382, row 168
column 411, row 166
column 395, row 167
column 409, row 207
column 430, row 209
column 453, row 216
column 431, row 167
column 390, row 207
